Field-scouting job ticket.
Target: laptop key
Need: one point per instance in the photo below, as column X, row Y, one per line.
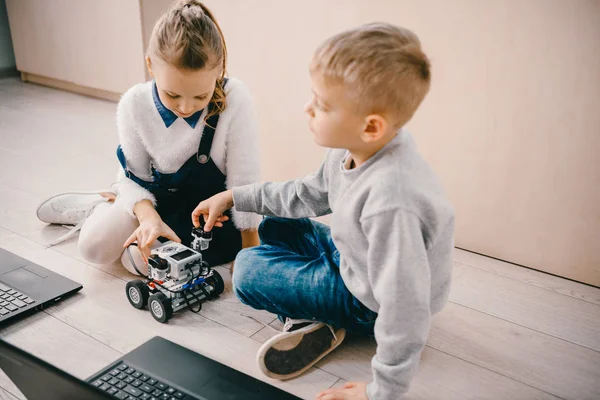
column 121, row 385
column 136, row 383
column 12, row 308
column 135, row 392
column 147, row 388
column 28, row 300
column 105, row 386
column 152, row 381
column 137, row 375
column 122, row 376
column 19, row 303
column 129, row 379
column 4, row 288
column 12, row 291
column 122, row 395
column 3, row 311
column 144, row 378
column 144, row 396
column 112, row 391
column 113, row 381
column 165, row 396
column 161, row 385
column 156, row 393
column 130, row 371
column 98, row 383
column 107, row 377
column 179, row 395
column 9, row 298
column 115, row 372
column 170, row 391
column 123, row 367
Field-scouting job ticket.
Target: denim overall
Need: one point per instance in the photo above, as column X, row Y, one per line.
column 178, row 194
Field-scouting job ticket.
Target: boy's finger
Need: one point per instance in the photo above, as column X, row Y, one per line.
column 223, row 218
column 196, row 215
column 210, row 221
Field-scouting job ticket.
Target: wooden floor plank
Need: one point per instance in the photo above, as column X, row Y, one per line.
column 546, row 311
column 536, row 278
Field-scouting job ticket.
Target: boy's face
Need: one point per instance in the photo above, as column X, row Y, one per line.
column 332, row 117
column 183, row 91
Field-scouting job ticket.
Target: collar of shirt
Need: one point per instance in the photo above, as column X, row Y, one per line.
column 169, row 116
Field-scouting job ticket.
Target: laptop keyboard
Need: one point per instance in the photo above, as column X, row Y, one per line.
column 124, row 382
column 12, row 300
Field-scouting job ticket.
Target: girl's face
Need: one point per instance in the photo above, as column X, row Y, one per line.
column 184, row 92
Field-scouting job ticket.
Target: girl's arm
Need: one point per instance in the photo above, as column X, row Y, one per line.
column 136, row 155
column 242, row 160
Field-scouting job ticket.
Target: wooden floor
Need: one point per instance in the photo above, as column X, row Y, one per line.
column 507, row 332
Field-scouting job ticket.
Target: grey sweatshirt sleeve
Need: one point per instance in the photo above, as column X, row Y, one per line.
column 300, row 198
column 400, row 278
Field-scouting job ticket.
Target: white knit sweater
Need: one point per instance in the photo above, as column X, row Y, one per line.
column 146, row 140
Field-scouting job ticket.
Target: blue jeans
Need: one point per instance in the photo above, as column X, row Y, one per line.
column 295, row 273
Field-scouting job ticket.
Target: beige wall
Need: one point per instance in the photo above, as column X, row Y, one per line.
column 92, row 44
column 512, row 124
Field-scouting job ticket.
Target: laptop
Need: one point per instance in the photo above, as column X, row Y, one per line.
column 26, row 286
column 158, row 369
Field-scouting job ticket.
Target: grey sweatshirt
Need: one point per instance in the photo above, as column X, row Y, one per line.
column 394, row 229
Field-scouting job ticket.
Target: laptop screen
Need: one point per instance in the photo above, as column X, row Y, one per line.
column 38, row 380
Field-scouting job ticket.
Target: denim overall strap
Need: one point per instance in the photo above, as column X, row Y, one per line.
column 209, row 132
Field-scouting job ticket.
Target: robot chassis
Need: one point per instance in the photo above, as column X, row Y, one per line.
column 177, row 278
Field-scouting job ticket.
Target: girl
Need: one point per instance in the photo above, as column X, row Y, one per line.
column 186, row 135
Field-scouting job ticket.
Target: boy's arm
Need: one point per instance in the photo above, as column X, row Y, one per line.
column 300, row 198
column 400, row 278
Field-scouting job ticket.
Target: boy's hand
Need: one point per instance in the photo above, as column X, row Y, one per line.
column 146, row 234
column 212, row 210
column 350, row 391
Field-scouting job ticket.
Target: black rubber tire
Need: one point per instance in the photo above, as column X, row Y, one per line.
column 160, row 307
column 217, row 282
column 137, row 293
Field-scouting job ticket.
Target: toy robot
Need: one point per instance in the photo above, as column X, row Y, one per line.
column 177, row 278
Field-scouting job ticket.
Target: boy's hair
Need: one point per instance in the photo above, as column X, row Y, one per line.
column 187, row 36
column 381, row 66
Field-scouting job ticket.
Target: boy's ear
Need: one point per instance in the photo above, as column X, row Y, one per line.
column 375, row 128
column 149, row 66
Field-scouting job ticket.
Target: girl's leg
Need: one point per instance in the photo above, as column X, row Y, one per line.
column 104, row 233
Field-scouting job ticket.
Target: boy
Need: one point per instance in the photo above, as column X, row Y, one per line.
column 385, row 266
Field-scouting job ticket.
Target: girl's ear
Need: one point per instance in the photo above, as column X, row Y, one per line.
column 149, row 65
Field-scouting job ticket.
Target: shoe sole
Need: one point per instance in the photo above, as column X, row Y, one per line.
column 37, row 211
column 301, row 333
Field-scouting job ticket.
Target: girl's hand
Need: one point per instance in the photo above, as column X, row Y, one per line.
column 146, row 234
column 212, row 210
column 350, row 391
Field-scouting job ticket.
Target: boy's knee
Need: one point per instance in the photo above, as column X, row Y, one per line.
column 273, row 227
column 246, row 264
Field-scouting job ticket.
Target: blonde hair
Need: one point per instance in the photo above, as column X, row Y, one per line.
column 381, row 66
column 187, row 36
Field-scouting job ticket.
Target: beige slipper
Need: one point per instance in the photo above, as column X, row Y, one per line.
column 300, row 346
